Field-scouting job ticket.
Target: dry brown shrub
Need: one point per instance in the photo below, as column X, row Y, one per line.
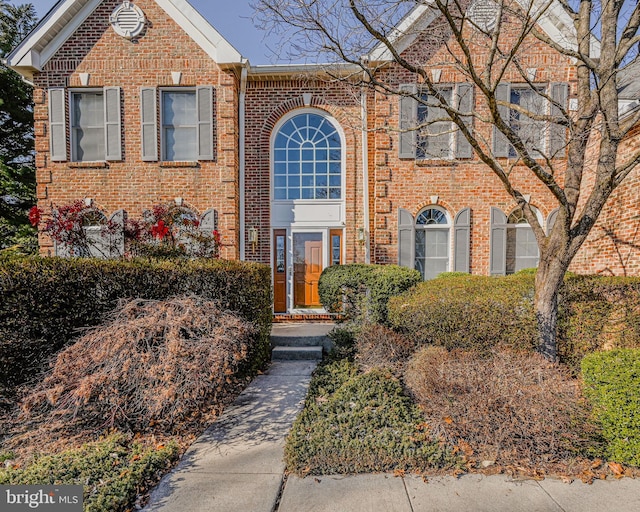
column 152, row 363
column 380, row 347
column 512, row 408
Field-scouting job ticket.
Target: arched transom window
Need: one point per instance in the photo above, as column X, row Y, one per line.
column 307, row 161
column 432, row 242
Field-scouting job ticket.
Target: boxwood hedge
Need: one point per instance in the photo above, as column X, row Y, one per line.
column 612, row 384
column 363, row 291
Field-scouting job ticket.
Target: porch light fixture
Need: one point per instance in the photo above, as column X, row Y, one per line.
column 360, row 235
column 253, row 238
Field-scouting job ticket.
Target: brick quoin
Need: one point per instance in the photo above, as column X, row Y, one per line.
column 393, row 183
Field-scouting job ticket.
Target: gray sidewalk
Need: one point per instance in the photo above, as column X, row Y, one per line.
column 237, row 466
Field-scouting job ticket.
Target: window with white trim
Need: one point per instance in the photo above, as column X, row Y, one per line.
column 432, row 242
column 435, row 136
column 522, row 246
column 307, row 159
column 426, row 130
column 92, row 117
column 531, row 131
column 185, row 122
column 179, row 121
column 87, row 126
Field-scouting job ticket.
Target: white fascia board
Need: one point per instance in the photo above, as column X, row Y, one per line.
column 405, row 33
column 27, row 56
column 201, row 31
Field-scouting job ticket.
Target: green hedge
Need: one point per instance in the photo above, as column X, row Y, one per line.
column 112, row 471
column 355, row 423
column 598, row 312
column 468, row 312
column 46, row 300
column 363, row 291
column 612, row 384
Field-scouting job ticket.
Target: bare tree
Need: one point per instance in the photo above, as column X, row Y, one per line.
column 487, row 40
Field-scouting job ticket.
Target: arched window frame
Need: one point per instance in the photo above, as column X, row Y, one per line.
column 278, row 177
column 503, row 235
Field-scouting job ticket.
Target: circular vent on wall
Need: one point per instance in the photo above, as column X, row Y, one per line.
column 127, row 20
column 484, row 14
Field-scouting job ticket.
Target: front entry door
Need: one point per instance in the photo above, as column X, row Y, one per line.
column 307, row 267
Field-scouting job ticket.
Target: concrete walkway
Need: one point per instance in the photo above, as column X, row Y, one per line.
column 237, row 466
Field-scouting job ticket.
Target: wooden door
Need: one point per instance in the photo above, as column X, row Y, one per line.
column 280, row 271
column 307, row 269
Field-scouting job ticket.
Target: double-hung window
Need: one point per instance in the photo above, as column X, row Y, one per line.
column 184, row 121
column 435, row 128
column 527, row 109
column 427, row 132
column 179, row 125
column 94, row 124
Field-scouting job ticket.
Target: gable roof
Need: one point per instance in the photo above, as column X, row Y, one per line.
column 66, row 16
column 556, row 22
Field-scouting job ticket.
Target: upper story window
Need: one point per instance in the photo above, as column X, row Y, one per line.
column 540, row 137
column 185, row 121
column 307, row 159
column 435, row 137
column 426, row 129
column 531, row 131
column 93, row 121
column 179, row 125
column 87, row 126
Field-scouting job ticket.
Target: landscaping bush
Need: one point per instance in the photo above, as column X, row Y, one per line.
column 46, row 300
column 512, row 408
column 612, row 384
column 468, row 312
column 597, row 313
column 363, row 291
column 378, row 346
column 153, row 363
column 355, row 423
column 112, row 471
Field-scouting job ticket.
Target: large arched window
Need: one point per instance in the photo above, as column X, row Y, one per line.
column 432, row 242
column 307, row 161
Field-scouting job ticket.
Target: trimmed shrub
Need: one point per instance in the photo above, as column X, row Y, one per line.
column 468, row 312
column 597, row 313
column 360, row 291
column 113, row 471
column 612, row 384
column 153, row 363
column 354, row 423
column 510, row 407
column 46, row 300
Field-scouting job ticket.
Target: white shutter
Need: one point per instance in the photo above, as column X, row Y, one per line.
column 148, row 124
column 500, row 142
column 407, row 122
column 204, row 101
column 57, row 124
column 112, row 124
column 498, row 243
column 406, row 239
column 462, row 241
column 465, row 104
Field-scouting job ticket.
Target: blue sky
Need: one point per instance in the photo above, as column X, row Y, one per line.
column 232, row 18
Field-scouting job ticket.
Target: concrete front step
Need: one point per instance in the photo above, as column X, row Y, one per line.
column 280, row 353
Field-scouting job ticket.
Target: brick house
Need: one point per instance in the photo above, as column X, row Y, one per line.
column 139, row 103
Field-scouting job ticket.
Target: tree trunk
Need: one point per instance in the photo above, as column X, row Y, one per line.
column 549, row 278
